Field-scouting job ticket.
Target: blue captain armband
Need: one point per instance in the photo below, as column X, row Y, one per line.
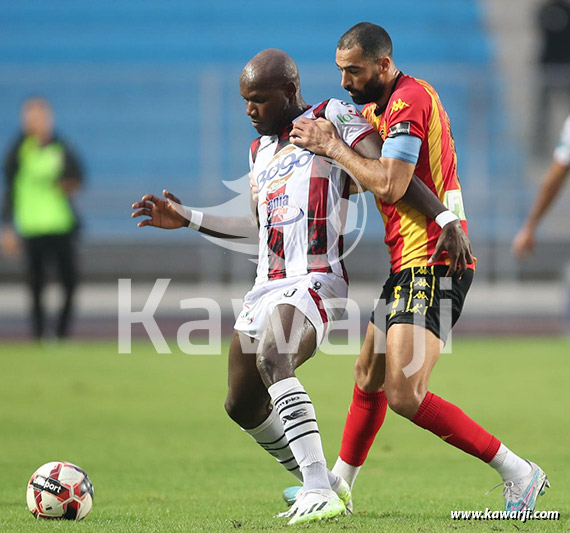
column 403, row 147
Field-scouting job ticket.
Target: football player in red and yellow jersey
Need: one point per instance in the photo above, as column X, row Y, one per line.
column 416, row 132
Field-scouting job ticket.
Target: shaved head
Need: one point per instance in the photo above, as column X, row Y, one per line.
column 270, row 68
column 270, row 86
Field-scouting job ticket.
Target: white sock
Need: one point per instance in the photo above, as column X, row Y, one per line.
column 346, row 471
column 271, row 437
column 509, row 465
column 334, row 480
column 297, row 414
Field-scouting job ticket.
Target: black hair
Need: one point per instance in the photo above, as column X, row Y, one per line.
column 373, row 39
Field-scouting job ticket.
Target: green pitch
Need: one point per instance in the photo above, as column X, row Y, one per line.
column 151, row 432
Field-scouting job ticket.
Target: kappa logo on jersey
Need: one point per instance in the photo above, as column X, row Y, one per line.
column 283, row 164
column 402, row 128
column 398, row 105
column 280, row 213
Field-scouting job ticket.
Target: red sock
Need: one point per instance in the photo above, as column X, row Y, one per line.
column 451, row 424
column 365, row 417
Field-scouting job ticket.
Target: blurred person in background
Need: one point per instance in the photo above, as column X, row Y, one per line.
column 553, row 19
column 41, row 176
column 523, row 244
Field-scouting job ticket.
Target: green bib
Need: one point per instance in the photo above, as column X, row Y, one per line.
column 40, row 205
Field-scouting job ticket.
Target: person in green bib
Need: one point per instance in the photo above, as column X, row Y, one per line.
column 41, row 177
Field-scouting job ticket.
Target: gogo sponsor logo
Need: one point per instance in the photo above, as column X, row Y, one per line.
column 280, row 213
column 286, row 161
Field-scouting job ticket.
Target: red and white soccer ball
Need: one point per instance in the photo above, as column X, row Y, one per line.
column 60, row 490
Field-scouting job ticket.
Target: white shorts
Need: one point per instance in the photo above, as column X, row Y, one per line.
column 320, row 296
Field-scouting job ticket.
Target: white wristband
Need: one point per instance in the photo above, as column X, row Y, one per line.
column 196, row 220
column 444, row 218
column 193, row 217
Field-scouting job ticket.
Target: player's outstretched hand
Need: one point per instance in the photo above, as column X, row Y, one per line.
column 523, row 243
column 161, row 213
column 317, row 136
column 455, row 242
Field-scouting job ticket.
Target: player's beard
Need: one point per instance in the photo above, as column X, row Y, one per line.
column 373, row 91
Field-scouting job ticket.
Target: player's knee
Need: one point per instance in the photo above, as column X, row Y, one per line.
column 274, row 367
column 266, row 365
column 403, row 402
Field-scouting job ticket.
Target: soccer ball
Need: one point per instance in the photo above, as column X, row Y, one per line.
column 60, row 490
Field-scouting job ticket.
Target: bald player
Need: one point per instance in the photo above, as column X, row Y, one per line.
column 300, row 272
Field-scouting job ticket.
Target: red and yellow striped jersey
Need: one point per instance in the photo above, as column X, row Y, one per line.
column 414, row 108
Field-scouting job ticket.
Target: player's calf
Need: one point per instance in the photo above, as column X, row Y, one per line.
column 248, row 413
column 299, row 420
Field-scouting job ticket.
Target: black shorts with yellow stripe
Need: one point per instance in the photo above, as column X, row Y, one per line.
column 423, row 296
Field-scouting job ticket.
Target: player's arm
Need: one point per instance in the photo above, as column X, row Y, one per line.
column 394, row 174
column 387, row 178
column 169, row 213
column 73, row 175
column 356, row 132
column 523, row 243
column 551, row 185
column 386, row 172
column 10, row 243
column 418, row 195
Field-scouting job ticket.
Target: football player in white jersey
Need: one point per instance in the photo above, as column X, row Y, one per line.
column 301, row 282
column 557, row 173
